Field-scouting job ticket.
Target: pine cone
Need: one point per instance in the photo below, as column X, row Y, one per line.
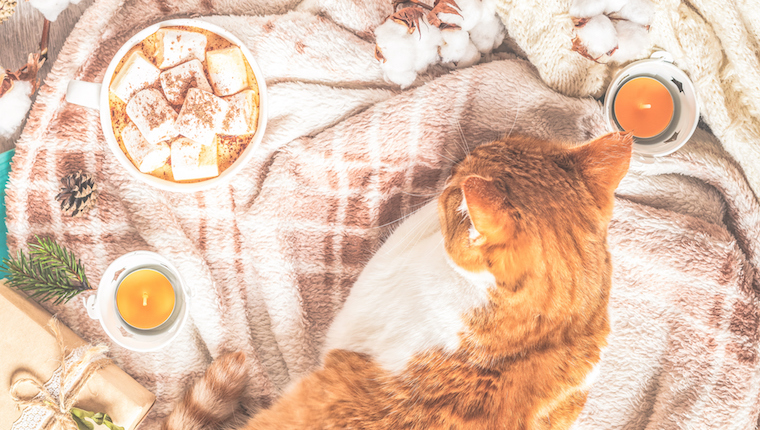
column 78, row 193
column 7, row 7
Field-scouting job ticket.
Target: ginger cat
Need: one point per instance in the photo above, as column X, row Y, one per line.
column 485, row 310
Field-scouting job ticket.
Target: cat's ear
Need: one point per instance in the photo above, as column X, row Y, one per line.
column 488, row 209
column 603, row 163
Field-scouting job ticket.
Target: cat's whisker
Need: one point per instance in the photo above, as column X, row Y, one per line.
column 461, row 146
column 517, row 112
column 430, row 252
column 449, row 152
column 402, row 218
column 422, row 195
column 407, row 240
column 411, row 243
column 467, row 149
column 414, row 207
column 443, row 156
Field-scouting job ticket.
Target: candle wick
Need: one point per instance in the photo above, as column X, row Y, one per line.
column 646, row 106
column 145, row 299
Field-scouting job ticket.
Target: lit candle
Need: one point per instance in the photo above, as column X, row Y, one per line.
column 145, row 299
column 643, row 106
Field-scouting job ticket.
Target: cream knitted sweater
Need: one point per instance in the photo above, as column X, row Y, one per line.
column 717, row 43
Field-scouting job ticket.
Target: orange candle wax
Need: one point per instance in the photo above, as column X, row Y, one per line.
column 643, row 106
column 145, row 299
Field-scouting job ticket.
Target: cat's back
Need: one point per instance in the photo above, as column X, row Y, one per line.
column 484, row 310
column 409, row 298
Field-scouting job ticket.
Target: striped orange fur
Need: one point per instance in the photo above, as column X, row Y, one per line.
column 534, row 215
column 214, row 397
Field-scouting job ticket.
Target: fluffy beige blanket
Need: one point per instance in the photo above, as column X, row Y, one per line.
column 716, row 42
column 346, row 156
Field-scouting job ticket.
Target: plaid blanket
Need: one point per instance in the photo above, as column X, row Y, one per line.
column 346, row 157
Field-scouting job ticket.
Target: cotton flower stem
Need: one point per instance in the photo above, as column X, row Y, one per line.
column 45, row 39
column 35, row 61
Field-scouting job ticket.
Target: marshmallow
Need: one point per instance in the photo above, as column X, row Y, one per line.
column 201, row 116
column 177, row 80
column 136, row 74
column 146, row 156
column 227, row 71
column 152, row 114
column 242, row 114
column 177, row 46
column 192, row 160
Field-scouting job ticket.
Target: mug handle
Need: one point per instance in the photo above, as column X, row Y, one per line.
column 83, row 93
column 91, row 306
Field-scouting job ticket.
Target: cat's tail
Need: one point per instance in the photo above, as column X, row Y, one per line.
column 214, row 397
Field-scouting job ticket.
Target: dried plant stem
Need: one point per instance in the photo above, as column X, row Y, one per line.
column 45, row 40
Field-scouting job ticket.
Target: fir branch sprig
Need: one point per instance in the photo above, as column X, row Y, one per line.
column 50, row 271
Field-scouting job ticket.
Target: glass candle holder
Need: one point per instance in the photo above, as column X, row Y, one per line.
column 142, row 301
column 657, row 102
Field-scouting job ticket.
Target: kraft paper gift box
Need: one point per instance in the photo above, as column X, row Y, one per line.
column 29, row 349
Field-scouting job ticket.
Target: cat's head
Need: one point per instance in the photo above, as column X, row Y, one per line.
column 512, row 205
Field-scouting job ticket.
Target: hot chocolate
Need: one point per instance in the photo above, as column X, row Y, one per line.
column 185, row 67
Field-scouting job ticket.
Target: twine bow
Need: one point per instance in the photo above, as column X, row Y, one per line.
column 74, row 376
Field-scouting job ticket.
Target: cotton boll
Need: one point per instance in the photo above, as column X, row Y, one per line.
column 457, row 50
column 470, row 56
column 598, row 36
column 399, row 52
column 406, row 54
column 403, row 78
column 471, row 12
column 428, row 39
column 391, row 29
column 488, row 8
column 455, row 44
column 639, row 11
column 633, row 40
column 489, row 34
column 451, row 19
column 51, row 8
column 587, row 8
column 14, row 105
column 395, row 44
column 613, row 6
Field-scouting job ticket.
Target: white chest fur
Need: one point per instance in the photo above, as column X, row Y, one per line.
column 410, row 297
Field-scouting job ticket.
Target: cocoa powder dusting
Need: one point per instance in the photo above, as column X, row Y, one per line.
column 230, row 147
column 204, row 107
column 234, row 111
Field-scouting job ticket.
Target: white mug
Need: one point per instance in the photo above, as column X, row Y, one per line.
column 102, row 305
column 95, row 96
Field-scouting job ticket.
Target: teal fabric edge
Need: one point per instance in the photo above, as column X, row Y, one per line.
column 5, row 170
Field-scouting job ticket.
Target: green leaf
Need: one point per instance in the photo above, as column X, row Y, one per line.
column 49, row 272
column 87, row 420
